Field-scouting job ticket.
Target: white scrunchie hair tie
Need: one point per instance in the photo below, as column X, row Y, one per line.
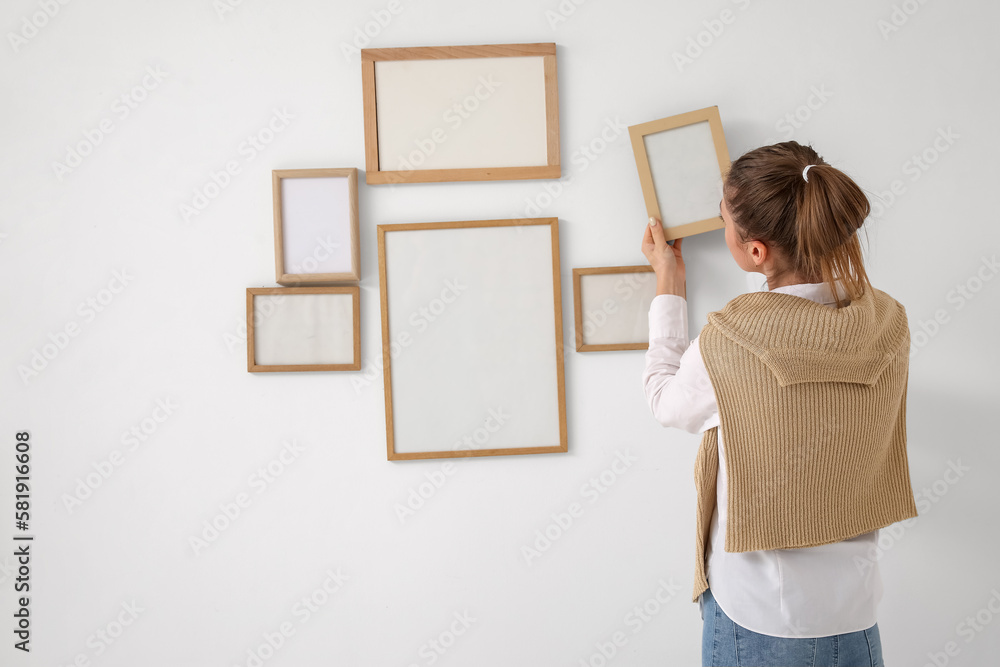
column 806, row 171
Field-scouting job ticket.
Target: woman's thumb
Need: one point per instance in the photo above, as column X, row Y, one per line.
column 657, row 231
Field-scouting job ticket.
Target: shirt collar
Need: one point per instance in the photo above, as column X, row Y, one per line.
column 818, row 292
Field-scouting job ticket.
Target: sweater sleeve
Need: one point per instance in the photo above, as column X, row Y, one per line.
column 675, row 379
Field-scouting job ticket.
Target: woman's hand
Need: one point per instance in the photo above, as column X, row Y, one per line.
column 665, row 259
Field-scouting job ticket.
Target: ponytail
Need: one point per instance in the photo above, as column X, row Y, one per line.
column 787, row 196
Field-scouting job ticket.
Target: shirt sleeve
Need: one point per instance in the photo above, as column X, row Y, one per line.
column 675, row 379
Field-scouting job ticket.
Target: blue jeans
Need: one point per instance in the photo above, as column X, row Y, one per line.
column 724, row 643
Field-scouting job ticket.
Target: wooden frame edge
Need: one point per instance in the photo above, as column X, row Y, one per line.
column 560, row 366
column 551, row 113
column 352, row 188
column 645, row 174
column 468, row 453
column 462, row 175
column 386, row 344
column 460, row 51
column 316, row 279
column 614, row 348
column 369, row 116
column 719, row 139
column 251, row 361
column 279, row 234
column 460, row 224
column 577, row 311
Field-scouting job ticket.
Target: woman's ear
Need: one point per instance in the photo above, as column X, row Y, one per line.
column 758, row 253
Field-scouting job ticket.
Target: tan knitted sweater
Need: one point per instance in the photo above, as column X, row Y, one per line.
column 812, row 402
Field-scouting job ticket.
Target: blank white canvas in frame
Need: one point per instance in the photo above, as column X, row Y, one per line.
column 461, row 113
column 316, row 225
column 615, row 307
column 478, row 306
column 305, row 329
column 685, row 170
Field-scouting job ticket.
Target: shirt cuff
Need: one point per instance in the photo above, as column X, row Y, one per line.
column 668, row 317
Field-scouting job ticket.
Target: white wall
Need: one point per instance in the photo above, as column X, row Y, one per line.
column 171, row 334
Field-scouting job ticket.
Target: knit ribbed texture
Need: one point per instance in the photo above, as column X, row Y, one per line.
column 812, row 402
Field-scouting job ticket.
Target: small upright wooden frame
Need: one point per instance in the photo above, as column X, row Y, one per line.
column 681, row 162
column 460, row 113
column 472, row 338
column 316, row 239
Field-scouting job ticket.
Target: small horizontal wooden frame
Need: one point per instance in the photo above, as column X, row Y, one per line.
column 316, row 240
column 681, row 162
column 303, row 329
column 472, row 338
column 611, row 307
column 460, row 113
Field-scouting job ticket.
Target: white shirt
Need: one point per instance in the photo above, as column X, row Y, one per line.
column 809, row 592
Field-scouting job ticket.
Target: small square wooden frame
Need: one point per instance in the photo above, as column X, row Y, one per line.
column 347, row 234
column 679, row 228
column 377, row 173
column 581, row 346
column 354, row 291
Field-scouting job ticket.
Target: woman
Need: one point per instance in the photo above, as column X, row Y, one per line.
column 800, row 392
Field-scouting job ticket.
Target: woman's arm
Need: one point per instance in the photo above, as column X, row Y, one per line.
column 675, row 379
column 665, row 259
